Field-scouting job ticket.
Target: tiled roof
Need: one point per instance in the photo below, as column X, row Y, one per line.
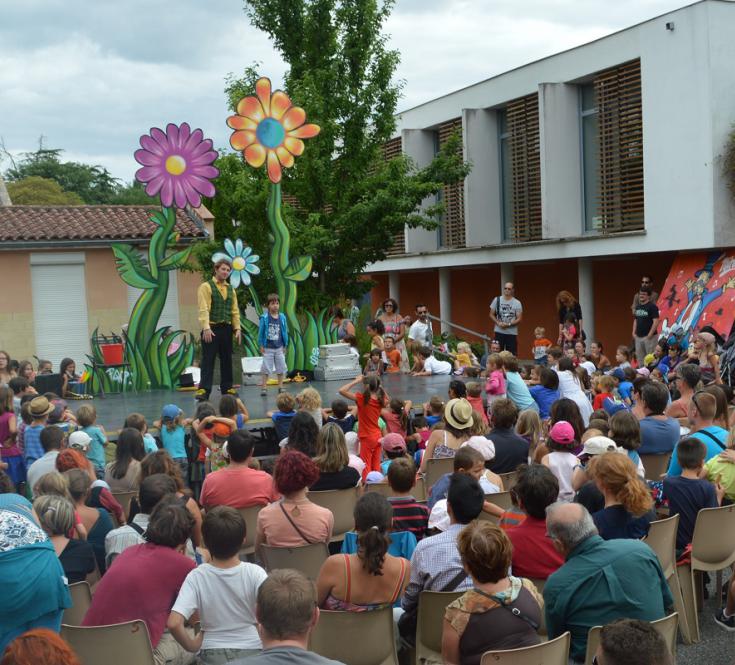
column 41, row 224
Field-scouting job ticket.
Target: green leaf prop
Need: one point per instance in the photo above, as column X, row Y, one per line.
column 175, row 259
column 298, row 269
column 131, row 267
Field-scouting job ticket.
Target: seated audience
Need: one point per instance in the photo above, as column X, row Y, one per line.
column 294, row 520
column 632, row 642
column 302, row 434
column 39, row 646
column 56, row 517
column 222, row 592
column 587, row 493
column 371, row 578
column 353, row 448
column 138, row 421
column 561, row 458
column 685, row 379
column 341, row 416
column 534, row 554
column 578, row 597
column 571, row 388
column 408, row 514
column 471, row 461
column 145, row 579
column 237, row 485
column 123, row 475
column 625, row 431
column 725, row 616
column 444, row 443
column 511, row 450
column 659, row 433
column 282, row 418
column 332, row 458
column 501, row 611
column 50, row 439
column 546, row 392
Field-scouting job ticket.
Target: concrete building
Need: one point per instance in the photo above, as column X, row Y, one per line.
column 589, row 168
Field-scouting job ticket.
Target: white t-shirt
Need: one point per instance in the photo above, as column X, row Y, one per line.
column 421, row 332
column 225, row 598
column 435, row 366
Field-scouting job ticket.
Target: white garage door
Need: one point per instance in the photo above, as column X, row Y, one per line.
column 170, row 313
column 60, row 307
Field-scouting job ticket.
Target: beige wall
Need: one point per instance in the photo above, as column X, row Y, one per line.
column 188, row 283
column 17, row 336
column 107, row 294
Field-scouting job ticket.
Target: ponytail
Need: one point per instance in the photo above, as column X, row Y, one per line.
column 373, row 521
column 617, row 473
column 372, row 546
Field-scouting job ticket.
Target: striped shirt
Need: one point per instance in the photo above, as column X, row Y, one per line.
column 410, row 515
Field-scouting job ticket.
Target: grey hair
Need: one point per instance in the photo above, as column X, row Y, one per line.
column 569, row 533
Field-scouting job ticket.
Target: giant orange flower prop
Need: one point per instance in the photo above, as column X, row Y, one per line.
column 269, row 129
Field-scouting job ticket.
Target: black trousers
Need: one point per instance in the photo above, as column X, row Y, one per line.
column 508, row 342
column 220, row 346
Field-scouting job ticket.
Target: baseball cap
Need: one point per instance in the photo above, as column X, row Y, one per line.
column 374, row 477
column 643, row 371
column 618, row 374
column 393, row 443
column 170, row 411
column 484, row 446
column 599, row 445
column 79, row 440
column 562, row 433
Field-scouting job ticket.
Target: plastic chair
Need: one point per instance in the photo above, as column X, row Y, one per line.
column 666, row 627
column 357, row 638
column 500, row 499
column 383, row 489
column 655, row 466
column 509, row 479
column 428, row 636
column 250, row 515
column 713, row 549
column 661, row 539
column 342, row 504
column 308, row 558
column 81, row 599
column 116, row 644
column 553, row 652
column 436, row 468
column 419, row 490
column 125, row 499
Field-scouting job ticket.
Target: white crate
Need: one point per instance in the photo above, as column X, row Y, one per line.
column 251, row 370
column 321, row 374
column 350, row 362
column 332, row 350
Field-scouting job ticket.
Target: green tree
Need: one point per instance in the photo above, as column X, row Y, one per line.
column 347, row 202
column 35, row 190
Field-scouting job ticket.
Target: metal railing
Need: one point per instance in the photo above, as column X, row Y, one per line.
column 485, row 339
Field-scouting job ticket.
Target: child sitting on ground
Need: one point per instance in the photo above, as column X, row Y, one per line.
column 392, row 354
column 622, row 357
column 395, row 416
column 137, row 421
column 474, row 397
column 217, row 430
column 541, row 346
column 604, row 387
column 408, row 514
column 374, row 364
column 689, row 492
column 222, row 592
column 282, row 418
column 468, row 459
column 465, row 362
column 310, row 401
column 433, row 410
column 562, row 460
column 87, row 420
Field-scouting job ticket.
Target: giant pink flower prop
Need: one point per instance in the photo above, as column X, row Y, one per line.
column 178, row 164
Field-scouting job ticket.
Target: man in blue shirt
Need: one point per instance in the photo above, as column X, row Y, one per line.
column 601, row 580
column 659, row 433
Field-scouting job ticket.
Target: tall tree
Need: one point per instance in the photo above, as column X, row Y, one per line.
column 348, row 203
column 35, row 190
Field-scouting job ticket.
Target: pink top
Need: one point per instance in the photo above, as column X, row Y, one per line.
column 495, row 384
column 237, row 487
column 315, row 522
column 11, row 451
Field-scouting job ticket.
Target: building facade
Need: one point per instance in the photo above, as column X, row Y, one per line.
column 589, row 168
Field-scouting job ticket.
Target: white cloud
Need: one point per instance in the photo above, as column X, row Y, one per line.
column 91, row 77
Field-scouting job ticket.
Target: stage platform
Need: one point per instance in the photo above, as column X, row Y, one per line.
column 112, row 408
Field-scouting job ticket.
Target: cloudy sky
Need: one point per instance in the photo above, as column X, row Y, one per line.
column 90, row 76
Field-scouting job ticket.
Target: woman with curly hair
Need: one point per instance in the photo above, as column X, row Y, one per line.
column 371, row 578
column 567, row 304
column 40, row 646
column 294, row 520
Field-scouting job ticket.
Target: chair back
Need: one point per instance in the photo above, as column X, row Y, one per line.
column 509, row 479
column 655, row 466
column 117, row 644
column 308, row 558
column 125, row 499
column 81, row 599
column 436, row 468
column 500, row 499
column 713, row 542
column 342, row 504
column 553, row 652
column 419, row 490
column 357, row 638
column 250, row 515
column 667, row 627
column 383, row 489
column 431, row 612
column 661, row 539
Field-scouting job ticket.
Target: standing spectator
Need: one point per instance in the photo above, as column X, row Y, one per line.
column 511, row 450
column 237, row 485
column 567, row 304
column 659, row 433
column 369, row 402
column 421, row 333
column 11, row 453
column 516, row 389
column 395, row 328
column 145, row 579
column 219, row 319
column 87, row 419
column 646, row 283
column 506, row 312
column 39, row 409
column 645, row 323
column 578, row 596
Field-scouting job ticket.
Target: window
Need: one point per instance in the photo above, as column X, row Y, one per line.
column 589, row 125
column 506, row 176
column 392, row 149
column 452, row 231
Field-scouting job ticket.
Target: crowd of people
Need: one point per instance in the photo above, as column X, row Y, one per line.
column 573, row 428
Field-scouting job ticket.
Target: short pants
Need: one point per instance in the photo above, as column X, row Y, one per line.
column 274, row 361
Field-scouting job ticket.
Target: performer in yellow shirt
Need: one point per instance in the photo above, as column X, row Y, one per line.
column 219, row 318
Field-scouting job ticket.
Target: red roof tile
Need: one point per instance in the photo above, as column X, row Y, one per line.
column 41, row 224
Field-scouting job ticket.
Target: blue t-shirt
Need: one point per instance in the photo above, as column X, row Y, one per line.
column 687, row 496
column 658, row 436
column 282, row 423
column 173, row 441
column 625, row 389
column 544, row 397
column 713, row 449
column 149, row 443
column 274, row 340
column 432, row 420
column 616, row 522
column 345, row 424
column 96, row 452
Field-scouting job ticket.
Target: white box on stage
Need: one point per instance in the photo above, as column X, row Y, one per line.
column 333, row 350
column 251, row 370
column 336, row 363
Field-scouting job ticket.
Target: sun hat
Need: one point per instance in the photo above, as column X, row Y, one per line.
column 458, row 413
column 484, row 446
column 439, row 516
column 170, row 412
column 393, row 443
column 562, row 433
column 40, row 407
column 599, row 445
column 79, row 440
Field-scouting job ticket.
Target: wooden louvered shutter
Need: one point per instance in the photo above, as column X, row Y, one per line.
column 620, row 114
column 391, row 149
column 525, row 155
column 452, row 231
